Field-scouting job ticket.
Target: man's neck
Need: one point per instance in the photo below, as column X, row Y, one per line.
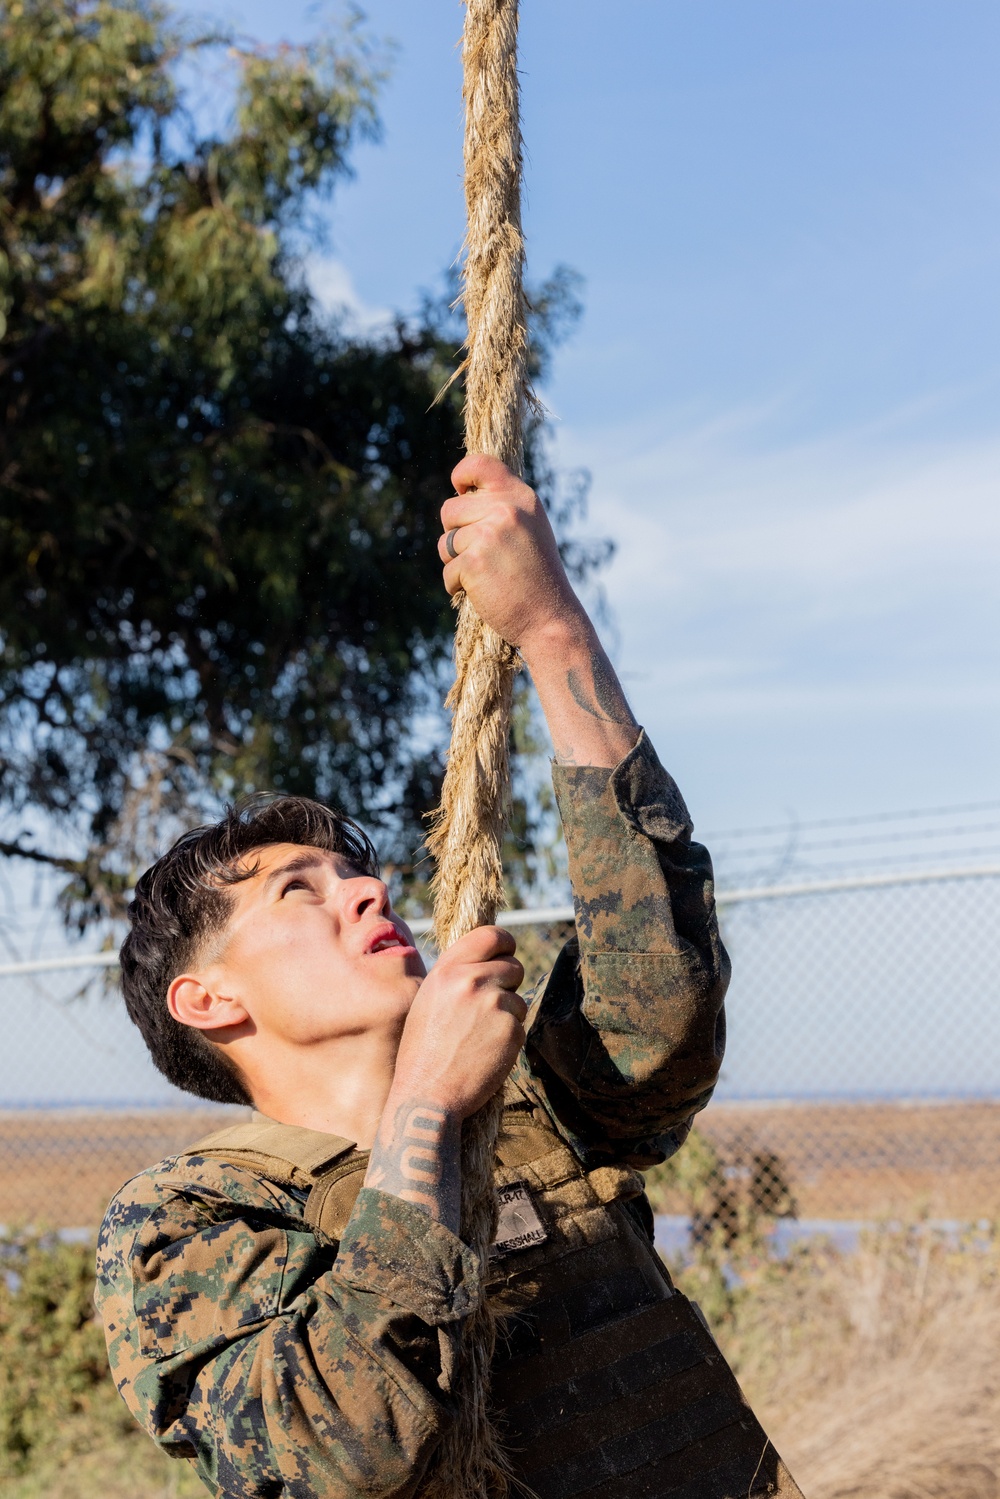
column 338, row 1087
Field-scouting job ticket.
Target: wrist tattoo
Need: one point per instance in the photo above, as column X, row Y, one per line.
column 416, row 1157
column 420, row 1158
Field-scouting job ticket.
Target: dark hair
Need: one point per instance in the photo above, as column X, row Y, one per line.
column 182, row 901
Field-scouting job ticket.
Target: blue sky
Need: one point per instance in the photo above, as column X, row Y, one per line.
column 787, row 389
column 786, row 382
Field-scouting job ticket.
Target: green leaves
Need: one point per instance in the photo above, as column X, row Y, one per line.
column 53, row 1366
column 218, row 511
column 78, row 78
column 299, row 112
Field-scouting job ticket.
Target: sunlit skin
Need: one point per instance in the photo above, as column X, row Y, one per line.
column 313, row 982
column 329, row 1032
column 313, row 963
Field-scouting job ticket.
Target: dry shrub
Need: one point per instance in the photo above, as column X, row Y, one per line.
column 53, row 1367
column 876, row 1371
column 64, row 1432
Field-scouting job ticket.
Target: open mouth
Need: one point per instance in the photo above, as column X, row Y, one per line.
column 389, row 940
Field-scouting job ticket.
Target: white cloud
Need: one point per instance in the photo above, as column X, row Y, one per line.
column 708, row 515
column 848, row 582
column 332, row 284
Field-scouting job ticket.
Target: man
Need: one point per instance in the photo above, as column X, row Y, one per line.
column 281, row 1305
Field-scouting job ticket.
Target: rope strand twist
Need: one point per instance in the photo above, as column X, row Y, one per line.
column 467, row 829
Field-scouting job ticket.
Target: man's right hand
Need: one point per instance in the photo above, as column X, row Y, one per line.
column 461, row 1039
column 466, row 1024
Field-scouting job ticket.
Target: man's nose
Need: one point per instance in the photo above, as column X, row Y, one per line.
column 364, row 896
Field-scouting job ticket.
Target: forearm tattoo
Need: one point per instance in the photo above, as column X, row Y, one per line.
column 417, row 1157
column 602, row 696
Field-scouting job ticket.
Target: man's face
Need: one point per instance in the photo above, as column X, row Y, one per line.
column 313, row 949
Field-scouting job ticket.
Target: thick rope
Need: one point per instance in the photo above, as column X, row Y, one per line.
column 468, row 828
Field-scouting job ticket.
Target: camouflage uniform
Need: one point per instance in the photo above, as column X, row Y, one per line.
column 282, row 1359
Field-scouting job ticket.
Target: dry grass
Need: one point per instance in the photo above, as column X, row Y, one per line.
column 62, row 1167
column 124, row 1465
column 863, row 1160
column 843, row 1160
column 876, row 1372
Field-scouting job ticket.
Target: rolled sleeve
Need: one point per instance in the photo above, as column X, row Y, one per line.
column 395, row 1250
column 628, row 1035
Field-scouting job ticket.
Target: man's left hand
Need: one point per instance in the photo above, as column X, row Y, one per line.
column 507, row 559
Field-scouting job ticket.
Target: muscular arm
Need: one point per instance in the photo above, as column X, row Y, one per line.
column 276, row 1362
column 461, row 1037
column 628, row 1036
column 627, row 1039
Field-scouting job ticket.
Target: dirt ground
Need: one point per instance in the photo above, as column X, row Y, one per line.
column 62, row 1168
column 843, row 1160
column 862, row 1160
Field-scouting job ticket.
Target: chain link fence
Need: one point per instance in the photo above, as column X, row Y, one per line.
column 862, row 1076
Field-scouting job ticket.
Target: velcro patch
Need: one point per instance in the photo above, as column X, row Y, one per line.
column 518, row 1223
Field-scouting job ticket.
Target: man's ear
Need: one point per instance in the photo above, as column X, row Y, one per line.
column 192, row 1002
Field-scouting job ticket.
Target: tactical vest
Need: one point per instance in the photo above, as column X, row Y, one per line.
column 606, row 1381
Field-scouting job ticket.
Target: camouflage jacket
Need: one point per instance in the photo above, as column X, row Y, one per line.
column 282, row 1362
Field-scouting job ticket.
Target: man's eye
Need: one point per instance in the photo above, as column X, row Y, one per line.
column 294, row 885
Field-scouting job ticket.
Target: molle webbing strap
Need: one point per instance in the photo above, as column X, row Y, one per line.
column 643, row 1404
column 331, row 1201
column 330, row 1166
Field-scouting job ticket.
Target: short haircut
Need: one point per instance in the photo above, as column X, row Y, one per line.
column 182, row 902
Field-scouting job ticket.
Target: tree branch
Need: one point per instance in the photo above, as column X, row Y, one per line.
column 18, row 851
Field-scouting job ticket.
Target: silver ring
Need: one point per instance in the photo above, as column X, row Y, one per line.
column 449, row 544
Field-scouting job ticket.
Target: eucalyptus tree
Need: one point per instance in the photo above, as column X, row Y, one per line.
column 218, row 507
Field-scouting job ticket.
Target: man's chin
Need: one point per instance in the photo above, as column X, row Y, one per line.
column 400, row 994
column 386, row 994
